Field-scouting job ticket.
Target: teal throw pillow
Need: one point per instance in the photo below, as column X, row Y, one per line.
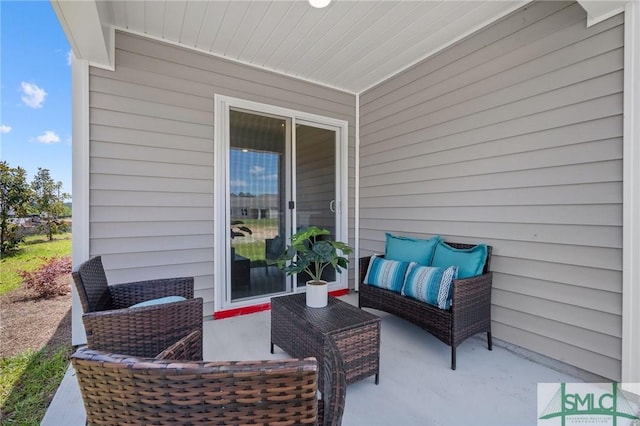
column 387, row 274
column 430, row 285
column 470, row 262
column 158, row 301
column 407, row 249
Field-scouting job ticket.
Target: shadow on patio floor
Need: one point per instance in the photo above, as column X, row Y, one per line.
column 417, row 387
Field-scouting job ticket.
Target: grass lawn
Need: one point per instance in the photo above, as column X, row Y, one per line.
column 251, row 247
column 253, row 251
column 29, row 256
column 29, row 380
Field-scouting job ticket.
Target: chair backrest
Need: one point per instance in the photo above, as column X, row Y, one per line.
column 119, row 389
column 274, row 247
column 331, row 407
column 92, row 286
column 189, row 348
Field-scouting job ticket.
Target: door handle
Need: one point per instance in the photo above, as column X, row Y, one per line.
column 332, row 206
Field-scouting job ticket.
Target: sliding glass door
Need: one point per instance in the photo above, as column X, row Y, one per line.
column 279, row 171
column 315, row 183
column 257, row 195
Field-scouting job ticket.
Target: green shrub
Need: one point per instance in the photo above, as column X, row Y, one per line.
column 47, row 280
column 11, row 240
column 29, row 257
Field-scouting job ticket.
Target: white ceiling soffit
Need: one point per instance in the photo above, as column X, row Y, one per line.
column 349, row 45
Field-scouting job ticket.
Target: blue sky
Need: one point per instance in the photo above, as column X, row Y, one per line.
column 254, row 172
column 35, row 74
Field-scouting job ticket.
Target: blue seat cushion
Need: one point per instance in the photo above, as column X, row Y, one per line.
column 408, row 249
column 387, row 274
column 470, row 262
column 430, row 285
column 158, row 301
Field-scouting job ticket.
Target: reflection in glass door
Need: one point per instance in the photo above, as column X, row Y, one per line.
column 276, row 171
column 257, row 188
column 315, row 184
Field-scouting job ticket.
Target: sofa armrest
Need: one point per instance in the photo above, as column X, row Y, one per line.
column 467, row 291
column 471, row 299
column 127, row 294
column 363, row 263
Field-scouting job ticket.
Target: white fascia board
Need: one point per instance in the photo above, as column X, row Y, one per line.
column 600, row 10
column 90, row 38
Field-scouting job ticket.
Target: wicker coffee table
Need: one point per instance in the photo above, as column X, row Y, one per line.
column 302, row 331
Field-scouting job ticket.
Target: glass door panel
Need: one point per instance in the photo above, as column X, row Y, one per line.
column 257, row 187
column 315, row 184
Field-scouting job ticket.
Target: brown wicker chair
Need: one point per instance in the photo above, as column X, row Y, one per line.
column 144, row 331
column 469, row 314
column 119, row 389
column 331, row 406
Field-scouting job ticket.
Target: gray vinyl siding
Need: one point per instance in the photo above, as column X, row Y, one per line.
column 151, row 154
column 513, row 137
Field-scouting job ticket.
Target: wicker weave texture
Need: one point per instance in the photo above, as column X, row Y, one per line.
column 470, row 311
column 119, row 390
column 189, row 348
column 334, row 392
column 146, row 331
column 302, row 331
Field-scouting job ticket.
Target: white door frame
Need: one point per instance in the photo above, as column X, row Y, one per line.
column 221, row 198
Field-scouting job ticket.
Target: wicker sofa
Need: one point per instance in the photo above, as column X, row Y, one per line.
column 469, row 314
column 173, row 389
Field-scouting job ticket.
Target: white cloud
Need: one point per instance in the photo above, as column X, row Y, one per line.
column 256, row 170
column 33, row 95
column 69, row 57
column 271, row 177
column 49, row 136
column 238, row 183
column 4, row 128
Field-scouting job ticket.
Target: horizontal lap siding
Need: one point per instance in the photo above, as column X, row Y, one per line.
column 513, row 137
column 151, row 154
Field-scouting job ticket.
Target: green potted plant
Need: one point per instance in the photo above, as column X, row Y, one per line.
column 312, row 253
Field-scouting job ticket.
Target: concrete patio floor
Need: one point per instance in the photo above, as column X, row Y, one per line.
column 417, row 387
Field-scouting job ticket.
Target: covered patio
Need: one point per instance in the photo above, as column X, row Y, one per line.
column 513, row 124
column 417, row 386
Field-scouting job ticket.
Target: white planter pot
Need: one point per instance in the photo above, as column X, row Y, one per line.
column 317, row 294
